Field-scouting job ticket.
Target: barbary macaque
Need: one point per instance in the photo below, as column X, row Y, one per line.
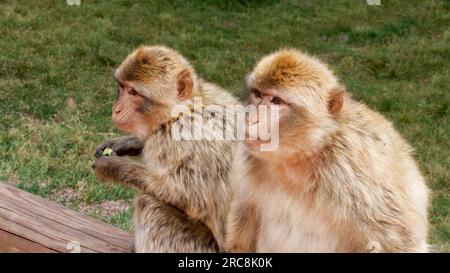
column 183, row 185
column 342, row 179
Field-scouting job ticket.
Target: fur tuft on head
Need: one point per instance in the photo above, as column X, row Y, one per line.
column 154, row 64
column 289, row 68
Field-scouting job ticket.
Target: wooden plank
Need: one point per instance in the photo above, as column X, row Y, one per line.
column 27, row 220
column 14, row 244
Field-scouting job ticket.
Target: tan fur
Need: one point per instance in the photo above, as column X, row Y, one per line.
column 282, row 70
column 341, row 181
column 156, row 67
column 183, row 186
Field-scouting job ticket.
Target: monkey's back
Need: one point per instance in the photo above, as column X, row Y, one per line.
column 201, row 166
column 384, row 177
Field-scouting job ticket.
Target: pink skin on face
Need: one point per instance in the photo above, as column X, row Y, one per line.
column 124, row 112
column 253, row 137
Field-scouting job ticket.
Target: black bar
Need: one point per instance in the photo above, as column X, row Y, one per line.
column 150, row 263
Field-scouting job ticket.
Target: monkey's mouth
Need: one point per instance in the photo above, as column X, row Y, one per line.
column 255, row 144
column 252, row 144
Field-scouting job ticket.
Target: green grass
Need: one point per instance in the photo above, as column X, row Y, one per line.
column 56, row 87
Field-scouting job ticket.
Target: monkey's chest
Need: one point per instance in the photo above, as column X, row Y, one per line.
column 288, row 225
column 157, row 159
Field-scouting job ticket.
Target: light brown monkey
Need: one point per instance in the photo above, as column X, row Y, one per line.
column 183, row 185
column 341, row 180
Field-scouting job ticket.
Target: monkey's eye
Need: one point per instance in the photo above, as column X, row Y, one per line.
column 132, row 92
column 256, row 93
column 276, row 100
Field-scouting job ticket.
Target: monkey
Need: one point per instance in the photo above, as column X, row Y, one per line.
column 182, row 184
column 342, row 179
column 127, row 145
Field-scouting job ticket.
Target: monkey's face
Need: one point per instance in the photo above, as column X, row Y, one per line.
column 151, row 81
column 134, row 112
column 302, row 122
column 303, row 90
column 269, row 109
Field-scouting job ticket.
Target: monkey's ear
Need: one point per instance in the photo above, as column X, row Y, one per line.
column 185, row 84
column 336, row 100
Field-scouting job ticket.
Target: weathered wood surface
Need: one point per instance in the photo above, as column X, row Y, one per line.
column 29, row 223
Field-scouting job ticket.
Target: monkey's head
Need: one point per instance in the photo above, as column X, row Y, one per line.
column 307, row 94
column 151, row 80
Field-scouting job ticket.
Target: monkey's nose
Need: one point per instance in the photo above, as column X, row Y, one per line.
column 253, row 118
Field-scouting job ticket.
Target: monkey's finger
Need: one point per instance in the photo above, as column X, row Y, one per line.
column 121, row 149
column 97, row 164
column 94, row 166
column 98, row 153
column 103, row 146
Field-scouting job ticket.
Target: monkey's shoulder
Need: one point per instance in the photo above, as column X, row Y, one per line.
column 216, row 94
column 363, row 126
column 163, row 151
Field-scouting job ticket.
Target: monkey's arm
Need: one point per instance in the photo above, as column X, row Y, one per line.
column 242, row 227
column 128, row 145
column 164, row 187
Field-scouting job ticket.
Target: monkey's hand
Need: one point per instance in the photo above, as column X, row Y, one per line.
column 122, row 170
column 105, row 168
column 128, row 145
